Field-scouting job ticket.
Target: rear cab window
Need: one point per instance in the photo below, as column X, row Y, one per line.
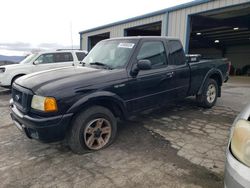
column 176, row 53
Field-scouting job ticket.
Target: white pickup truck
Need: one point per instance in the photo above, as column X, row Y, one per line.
column 39, row 62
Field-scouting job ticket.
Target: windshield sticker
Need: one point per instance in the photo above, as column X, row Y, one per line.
column 126, row 45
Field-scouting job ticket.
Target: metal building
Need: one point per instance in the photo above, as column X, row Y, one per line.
column 213, row 28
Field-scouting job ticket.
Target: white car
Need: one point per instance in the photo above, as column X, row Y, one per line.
column 39, row 62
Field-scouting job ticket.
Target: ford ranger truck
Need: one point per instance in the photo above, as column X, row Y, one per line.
column 118, row 78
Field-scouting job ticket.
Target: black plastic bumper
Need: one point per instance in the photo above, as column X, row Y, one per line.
column 47, row 129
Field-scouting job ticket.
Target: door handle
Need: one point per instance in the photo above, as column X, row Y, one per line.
column 170, row 74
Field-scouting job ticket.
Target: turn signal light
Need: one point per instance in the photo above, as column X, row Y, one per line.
column 50, row 104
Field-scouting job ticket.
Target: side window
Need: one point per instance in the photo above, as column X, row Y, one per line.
column 45, row 58
column 153, row 51
column 176, row 53
column 80, row 55
column 63, row 57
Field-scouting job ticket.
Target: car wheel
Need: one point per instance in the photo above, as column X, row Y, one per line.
column 209, row 94
column 93, row 129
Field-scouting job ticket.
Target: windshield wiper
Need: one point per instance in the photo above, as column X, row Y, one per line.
column 101, row 64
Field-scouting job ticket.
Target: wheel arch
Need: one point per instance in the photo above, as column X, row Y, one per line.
column 106, row 99
column 215, row 74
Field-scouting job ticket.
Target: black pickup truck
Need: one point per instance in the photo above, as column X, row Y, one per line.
column 118, row 78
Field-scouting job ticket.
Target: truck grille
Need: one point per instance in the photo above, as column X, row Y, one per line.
column 21, row 97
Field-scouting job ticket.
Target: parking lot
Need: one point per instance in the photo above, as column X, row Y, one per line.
column 180, row 145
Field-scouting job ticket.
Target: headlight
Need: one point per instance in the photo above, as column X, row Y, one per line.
column 46, row 104
column 2, row 70
column 240, row 142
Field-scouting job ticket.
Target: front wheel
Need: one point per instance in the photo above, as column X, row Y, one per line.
column 93, row 129
column 209, row 94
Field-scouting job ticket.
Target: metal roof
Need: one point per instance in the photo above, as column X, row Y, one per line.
column 163, row 11
column 142, row 37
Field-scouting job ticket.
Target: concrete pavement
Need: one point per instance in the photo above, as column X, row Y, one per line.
column 181, row 145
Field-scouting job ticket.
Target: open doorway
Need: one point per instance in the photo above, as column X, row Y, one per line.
column 223, row 33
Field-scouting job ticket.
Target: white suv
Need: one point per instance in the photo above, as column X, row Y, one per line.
column 39, row 62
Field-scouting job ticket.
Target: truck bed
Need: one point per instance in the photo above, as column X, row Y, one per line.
column 201, row 69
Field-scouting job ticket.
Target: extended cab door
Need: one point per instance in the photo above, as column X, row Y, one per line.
column 150, row 87
column 181, row 70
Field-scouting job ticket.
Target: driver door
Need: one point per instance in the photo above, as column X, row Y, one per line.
column 150, row 87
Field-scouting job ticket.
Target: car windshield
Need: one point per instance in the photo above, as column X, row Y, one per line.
column 110, row 54
column 28, row 58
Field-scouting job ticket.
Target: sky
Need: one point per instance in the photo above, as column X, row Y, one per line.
column 30, row 25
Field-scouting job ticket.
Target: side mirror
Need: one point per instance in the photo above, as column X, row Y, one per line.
column 143, row 64
column 36, row 62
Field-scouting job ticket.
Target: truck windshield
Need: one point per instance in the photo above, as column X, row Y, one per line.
column 111, row 54
column 28, row 58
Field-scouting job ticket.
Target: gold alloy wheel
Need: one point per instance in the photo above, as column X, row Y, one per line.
column 211, row 93
column 97, row 133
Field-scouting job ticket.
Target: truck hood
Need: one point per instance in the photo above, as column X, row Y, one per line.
column 76, row 77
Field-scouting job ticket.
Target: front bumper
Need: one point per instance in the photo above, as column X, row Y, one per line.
column 237, row 175
column 45, row 129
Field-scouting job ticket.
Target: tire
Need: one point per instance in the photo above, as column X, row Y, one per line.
column 93, row 129
column 209, row 94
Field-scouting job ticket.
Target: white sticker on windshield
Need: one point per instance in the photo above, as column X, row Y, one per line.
column 126, row 45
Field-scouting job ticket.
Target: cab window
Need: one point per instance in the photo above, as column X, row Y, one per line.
column 45, row 58
column 63, row 57
column 155, row 52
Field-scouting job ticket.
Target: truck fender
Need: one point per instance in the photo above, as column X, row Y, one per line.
column 98, row 96
column 210, row 74
column 17, row 75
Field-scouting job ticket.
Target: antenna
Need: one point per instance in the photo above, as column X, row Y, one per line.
column 71, row 35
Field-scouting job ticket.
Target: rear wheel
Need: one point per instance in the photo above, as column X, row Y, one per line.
column 93, row 129
column 209, row 94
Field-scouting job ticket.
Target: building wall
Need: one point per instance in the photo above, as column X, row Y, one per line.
column 175, row 21
column 118, row 30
